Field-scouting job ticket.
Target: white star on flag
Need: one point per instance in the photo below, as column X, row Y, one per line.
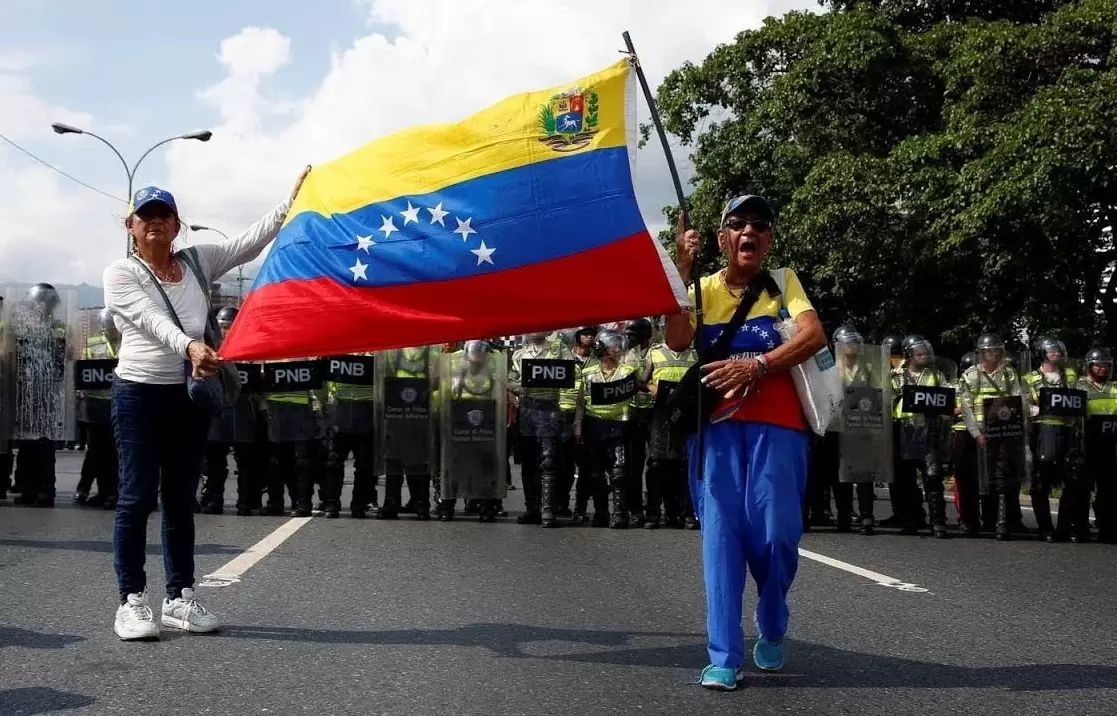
column 359, row 270
column 437, row 214
column 364, row 242
column 464, row 228
column 412, row 214
column 388, row 226
column 483, row 254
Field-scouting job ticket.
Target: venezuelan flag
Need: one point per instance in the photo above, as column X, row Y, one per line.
column 519, row 218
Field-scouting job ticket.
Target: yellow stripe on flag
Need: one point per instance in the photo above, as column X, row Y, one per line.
column 512, row 133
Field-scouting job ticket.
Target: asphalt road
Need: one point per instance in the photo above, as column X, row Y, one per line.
column 347, row 617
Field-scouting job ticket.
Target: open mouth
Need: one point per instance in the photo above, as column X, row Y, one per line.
column 746, row 248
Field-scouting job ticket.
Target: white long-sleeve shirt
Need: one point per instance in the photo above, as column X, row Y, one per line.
column 152, row 348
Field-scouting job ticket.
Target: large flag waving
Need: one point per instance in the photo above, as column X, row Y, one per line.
column 517, row 219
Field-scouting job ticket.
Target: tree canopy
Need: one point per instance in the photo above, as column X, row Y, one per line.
column 943, row 167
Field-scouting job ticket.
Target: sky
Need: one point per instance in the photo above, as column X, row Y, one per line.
column 282, row 85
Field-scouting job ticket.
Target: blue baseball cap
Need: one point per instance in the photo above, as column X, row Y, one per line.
column 151, row 194
column 748, row 202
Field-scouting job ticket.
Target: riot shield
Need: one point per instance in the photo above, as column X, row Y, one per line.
column 472, row 417
column 1059, row 410
column 1002, row 454
column 7, row 379
column 404, row 420
column 288, row 387
column 865, row 425
column 44, row 334
column 926, row 397
column 352, row 393
column 237, row 423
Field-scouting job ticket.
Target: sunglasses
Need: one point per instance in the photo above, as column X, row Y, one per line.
column 736, row 223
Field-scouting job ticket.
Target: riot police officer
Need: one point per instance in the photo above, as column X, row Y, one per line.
column 100, row 462
column 638, row 334
column 236, row 430
column 541, row 429
column 921, row 444
column 601, row 424
column 1056, row 441
column 964, row 459
column 1101, row 448
column 474, row 398
column 994, row 412
column 407, row 446
column 667, row 456
column 43, row 399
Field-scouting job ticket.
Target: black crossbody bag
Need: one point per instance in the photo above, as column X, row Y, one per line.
column 682, row 405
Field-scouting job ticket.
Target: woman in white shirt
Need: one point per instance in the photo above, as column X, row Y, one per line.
column 160, row 434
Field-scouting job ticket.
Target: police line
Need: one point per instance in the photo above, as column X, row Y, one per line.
column 295, row 375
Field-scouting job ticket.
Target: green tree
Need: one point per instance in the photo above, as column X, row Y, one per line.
column 940, row 167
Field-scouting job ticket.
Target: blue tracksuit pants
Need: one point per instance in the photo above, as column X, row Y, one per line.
column 749, row 505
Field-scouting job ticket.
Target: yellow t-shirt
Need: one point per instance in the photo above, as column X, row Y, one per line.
column 773, row 399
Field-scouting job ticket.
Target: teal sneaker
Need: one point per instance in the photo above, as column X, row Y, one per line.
column 768, row 655
column 720, row 677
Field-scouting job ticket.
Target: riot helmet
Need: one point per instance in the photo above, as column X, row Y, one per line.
column 967, row 361
column 1051, row 350
column 990, row 349
column 226, row 316
column 1099, row 361
column 108, row 326
column 535, row 337
column 44, row 296
column 894, row 344
column 638, row 331
column 609, row 344
column 847, row 334
column 918, row 349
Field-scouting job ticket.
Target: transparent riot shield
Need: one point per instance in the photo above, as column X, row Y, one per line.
column 1002, row 453
column 7, row 378
column 352, row 393
column 472, row 416
column 291, row 389
column 1058, row 410
column 45, row 338
column 237, row 423
column 926, row 398
column 865, row 424
column 404, row 418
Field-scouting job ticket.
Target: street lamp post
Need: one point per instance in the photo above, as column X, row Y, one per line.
column 59, row 128
column 240, row 269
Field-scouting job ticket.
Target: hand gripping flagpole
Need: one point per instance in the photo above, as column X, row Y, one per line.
column 635, row 60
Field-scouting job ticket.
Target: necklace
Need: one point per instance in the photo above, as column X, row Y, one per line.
column 170, row 277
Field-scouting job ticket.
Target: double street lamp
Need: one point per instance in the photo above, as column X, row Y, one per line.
column 59, row 128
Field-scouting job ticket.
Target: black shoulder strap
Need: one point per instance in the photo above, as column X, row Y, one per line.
column 214, row 335
column 159, row 288
column 759, row 283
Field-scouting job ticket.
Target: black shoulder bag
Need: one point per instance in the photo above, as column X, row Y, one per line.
column 682, row 405
column 222, row 390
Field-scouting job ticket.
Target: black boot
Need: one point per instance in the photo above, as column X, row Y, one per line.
column 936, row 509
column 1041, row 507
column 865, row 499
column 1066, row 513
column 393, row 497
column 550, row 489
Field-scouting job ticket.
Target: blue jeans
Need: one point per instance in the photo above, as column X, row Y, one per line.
column 749, row 503
column 160, row 441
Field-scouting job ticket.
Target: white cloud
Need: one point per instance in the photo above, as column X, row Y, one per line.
column 51, row 230
column 442, row 60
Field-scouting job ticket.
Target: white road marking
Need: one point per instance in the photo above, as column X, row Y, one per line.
column 878, row 578
column 231, row 572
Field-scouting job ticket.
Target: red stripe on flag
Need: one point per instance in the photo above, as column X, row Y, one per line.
column 318, row 317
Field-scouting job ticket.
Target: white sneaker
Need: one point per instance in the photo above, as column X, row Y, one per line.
column 135, row 620
column 185, row 613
